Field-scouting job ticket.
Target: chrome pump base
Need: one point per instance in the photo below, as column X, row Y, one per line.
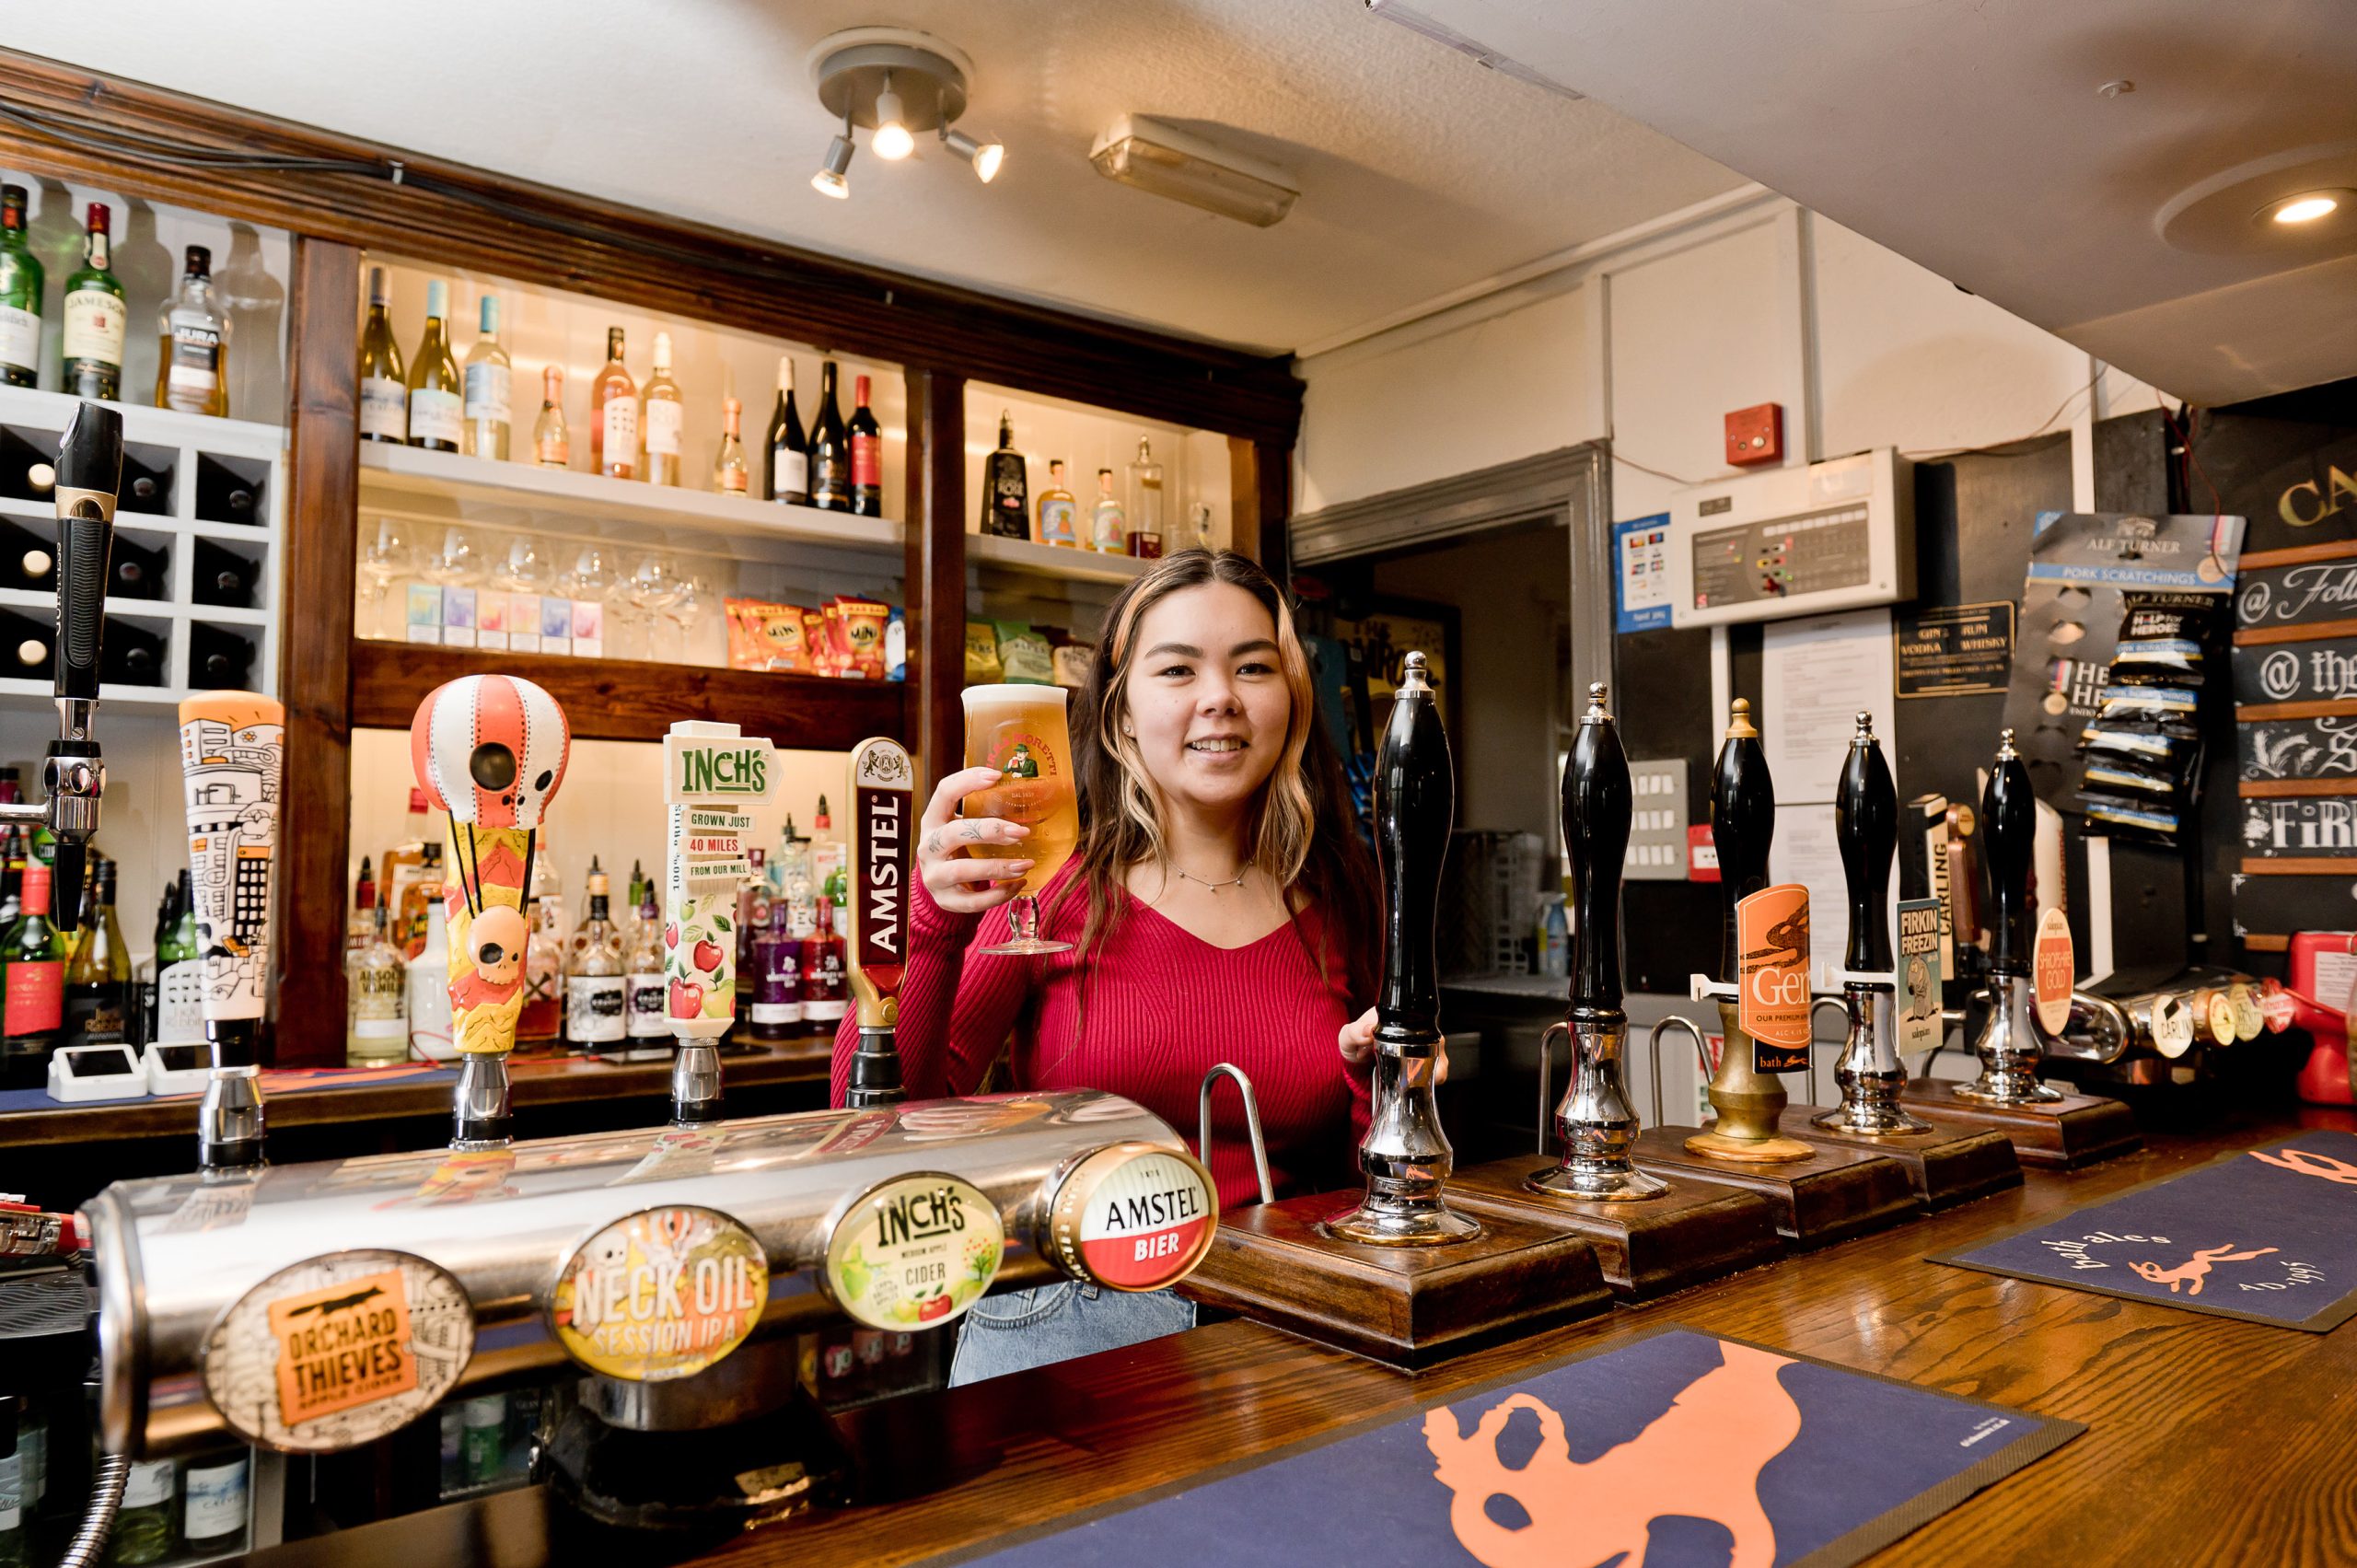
column 2010, row 1047
column 1870, row 1071
column 1598, row 1129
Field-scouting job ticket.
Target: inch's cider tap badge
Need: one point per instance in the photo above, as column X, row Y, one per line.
column 711, row 773
column 915, row 1252
column 659, row 1294
column 1771, row 968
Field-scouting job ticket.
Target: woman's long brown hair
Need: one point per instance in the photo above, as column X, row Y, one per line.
column 1303, row 830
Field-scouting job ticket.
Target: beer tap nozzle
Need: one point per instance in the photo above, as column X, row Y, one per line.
column 1405, row 1155
column 1597, row 1124
column 2012, row 1042
column 1865, row 826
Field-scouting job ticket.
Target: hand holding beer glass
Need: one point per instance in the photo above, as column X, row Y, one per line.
column 1019, row 734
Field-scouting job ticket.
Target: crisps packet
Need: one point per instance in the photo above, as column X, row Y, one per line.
column 1024, row 654
column 982, row 665
column 859, row 627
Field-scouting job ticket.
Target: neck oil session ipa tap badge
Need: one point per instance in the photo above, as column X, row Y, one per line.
column 661, row 1293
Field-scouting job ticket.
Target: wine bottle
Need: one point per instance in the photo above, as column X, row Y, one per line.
column 27, row 647
column 829, row 450
column 137, row 571
column 97, row 977
column 786, row 471
column 222, row 576
column 487, row 412
column 28, row 561
column 729, row 475
column 613, row 415
column 867, row 456
column 32, row 1017
column 664, row 418
column 178, row 1015
column 384, row 389
column 552, row 442
column 94, row 318
column 435, row 410
column 132, row 654
column 20, row 286
column 1007, row 487
column 217, row 658
column 193, row 351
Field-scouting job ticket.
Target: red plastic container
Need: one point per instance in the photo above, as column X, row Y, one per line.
column 2325, row 1079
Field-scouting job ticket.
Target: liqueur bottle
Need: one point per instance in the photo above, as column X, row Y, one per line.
column 551, row 443
column 1057, row 509
column 663, row 418
column 376, row 1001
column 193, row 351
column 384, row 388
column 825, row 988
column 1006, row 501
column 753, row 903
column 97, row 977
column 32, row 1017
column 543, row 1014
column 94, row 318
column 1144, row 535
column 613, row 415
column 729, row 474
column 594, row 994
column 409, row 867
column 20, row 286
column 776, row 1012
column 436, row 411
column 490, row 379
column 428, row 987
column 829, row 449
column 647, row 1024
column 786, row 471
column 1108, row 527
column 867, row 456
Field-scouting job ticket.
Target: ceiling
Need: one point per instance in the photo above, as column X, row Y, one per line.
column 1421, row 171
column 1971, row 136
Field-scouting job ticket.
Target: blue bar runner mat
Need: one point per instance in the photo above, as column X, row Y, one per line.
column 2268, row 1235
column 1677, row 1448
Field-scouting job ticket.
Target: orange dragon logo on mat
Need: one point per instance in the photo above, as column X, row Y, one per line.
column 2194, row 1270
column 1700, row 1459
column 2324, row 1167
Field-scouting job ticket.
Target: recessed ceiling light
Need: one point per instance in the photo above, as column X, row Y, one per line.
column 2305, row 208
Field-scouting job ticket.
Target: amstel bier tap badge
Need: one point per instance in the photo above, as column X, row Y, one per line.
column 1771, row 968
column 661, row 1293
column 916, row 1251
column 338, row 1350
column 1133, row 1216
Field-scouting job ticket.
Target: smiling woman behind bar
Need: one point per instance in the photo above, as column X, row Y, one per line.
column 1221, row 908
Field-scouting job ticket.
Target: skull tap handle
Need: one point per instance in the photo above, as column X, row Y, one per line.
column 1596, row 1124
column 1405, row 1155
column 233, row 749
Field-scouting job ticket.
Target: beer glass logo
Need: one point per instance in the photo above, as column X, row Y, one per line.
column 1020, row 754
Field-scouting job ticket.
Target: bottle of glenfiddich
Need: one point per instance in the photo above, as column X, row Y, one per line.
column 20, row 286
column 1007, row 487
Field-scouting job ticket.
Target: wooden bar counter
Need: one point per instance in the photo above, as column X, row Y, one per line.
column 2208, row 1440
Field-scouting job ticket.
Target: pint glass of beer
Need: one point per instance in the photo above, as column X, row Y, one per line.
column 1018, row 732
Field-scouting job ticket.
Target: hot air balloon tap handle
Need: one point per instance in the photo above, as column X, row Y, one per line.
column 490, row 751
column 711, row 773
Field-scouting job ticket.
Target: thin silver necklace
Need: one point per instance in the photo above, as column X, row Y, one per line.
column 1235, row 881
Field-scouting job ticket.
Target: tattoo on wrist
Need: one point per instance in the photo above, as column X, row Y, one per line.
column 933, row 844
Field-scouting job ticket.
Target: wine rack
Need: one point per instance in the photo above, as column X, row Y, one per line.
column 193, row 596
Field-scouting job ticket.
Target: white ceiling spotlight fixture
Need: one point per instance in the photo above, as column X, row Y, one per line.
column 899, row 84
column 2306, row 207
column 1158, row 158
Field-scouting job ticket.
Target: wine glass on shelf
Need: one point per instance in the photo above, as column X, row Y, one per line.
column 656, row 586
column 596, row 578
column 384, row 558
column 690, row 611
column 521, row 563
column 452, row 561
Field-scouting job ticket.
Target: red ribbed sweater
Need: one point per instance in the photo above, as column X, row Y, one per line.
column 1163, row 1005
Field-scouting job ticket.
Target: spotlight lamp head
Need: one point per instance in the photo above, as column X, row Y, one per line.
column 829, row 180
column 985, row 154
column 892, row 141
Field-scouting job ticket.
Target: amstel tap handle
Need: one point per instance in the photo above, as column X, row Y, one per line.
column 233, row 748
column 2011, row 1043
column 1405, row 1155
column 89, row 473
column 1763, row 956
column 1597, row 1126
column 712, row 771
column 490, row 751
column 1865, row 826
column 882, row 793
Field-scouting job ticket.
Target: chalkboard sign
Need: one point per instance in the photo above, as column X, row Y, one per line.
column 2278, row 906
column 2323, row 671
column 2301, row 825
column 2298, row 748
column 2272, row 597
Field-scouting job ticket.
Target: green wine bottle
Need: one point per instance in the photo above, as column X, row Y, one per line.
column 21, row 284
column 93, row 317
column 436, row 407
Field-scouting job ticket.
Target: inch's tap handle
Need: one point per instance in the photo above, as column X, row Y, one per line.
column 1597, row 806
column 1743, row 825
column 2009, row 839
column 89, row 473
column 1865, row 825
column 1415, row 805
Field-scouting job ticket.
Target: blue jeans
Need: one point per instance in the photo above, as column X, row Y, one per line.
column 1024, row 1329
